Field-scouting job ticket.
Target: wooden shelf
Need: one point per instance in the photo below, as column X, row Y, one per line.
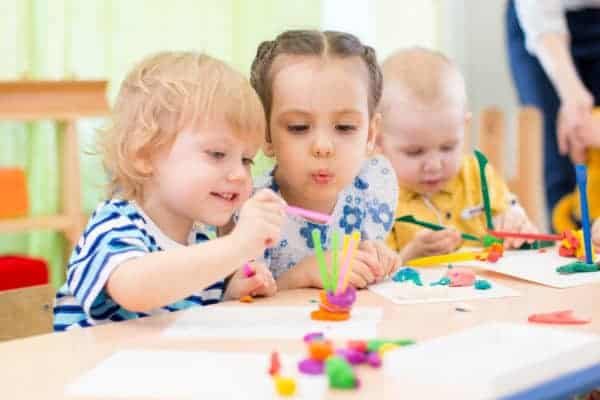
column 57, row 100
column 65, row 102
column 50, row 222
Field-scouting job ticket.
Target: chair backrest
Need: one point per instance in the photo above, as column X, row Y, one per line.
column 25, row 297
column 26, row 311
column 527, row 182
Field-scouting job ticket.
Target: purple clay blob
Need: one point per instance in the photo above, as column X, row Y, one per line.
column 309, row 337
column 309, row 366
column 354, row 357
column 345, row 299
column 373, row 359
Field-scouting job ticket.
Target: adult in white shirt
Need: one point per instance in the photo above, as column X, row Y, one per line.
column 554, row 52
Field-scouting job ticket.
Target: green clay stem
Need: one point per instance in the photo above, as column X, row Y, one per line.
column 335, row 242
column 434, row 227
column 482, row 161
column 316, row 236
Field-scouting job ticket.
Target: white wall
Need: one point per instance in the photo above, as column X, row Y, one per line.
column 472, row 33
column 384, row 24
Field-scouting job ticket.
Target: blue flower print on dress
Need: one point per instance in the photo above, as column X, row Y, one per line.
column 306, row 232
column 283, row 243
column 360, row 184
column 382, row 214
column 267, row 254
column 352, row 219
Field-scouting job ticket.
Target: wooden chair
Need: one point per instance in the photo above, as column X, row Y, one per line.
column 26, row 311
column 527, row 182
column 25, row 297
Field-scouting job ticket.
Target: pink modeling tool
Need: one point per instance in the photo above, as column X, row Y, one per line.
column 316, row 216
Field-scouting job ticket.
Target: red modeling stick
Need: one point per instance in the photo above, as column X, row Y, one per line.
column 522, row 235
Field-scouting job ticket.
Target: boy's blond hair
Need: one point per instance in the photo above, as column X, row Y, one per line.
column 427, row 76
column 164, row 94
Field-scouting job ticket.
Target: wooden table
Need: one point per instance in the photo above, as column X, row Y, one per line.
column 39, row 367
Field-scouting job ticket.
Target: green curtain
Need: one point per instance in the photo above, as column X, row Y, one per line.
column 102, row 39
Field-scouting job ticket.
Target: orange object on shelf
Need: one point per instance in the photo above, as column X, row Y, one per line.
column 13, row 186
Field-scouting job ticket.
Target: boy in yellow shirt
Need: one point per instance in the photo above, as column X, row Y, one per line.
column 424, row 111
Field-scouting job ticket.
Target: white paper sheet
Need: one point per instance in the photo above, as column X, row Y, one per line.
column 478, row 360
column 538, row 267
column 271, row 323
column 180, row 374
column 409, row 293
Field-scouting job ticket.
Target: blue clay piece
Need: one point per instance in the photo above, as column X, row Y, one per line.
column 482, row 284
column 444, row 281
column 408, row 274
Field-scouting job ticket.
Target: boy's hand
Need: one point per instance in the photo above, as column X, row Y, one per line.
column 596, row 234
column 514, row 220
column 259, row 224
column 260, row 284
column 429, row 243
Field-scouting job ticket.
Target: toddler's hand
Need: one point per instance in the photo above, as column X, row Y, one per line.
column 514, row 220
column 429, row 243
column 259, row 224
column 260, row 284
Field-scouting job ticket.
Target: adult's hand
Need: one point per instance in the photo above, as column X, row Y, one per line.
column 573, row 125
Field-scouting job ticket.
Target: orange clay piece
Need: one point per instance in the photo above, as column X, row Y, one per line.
column 324, row 315
column 246, row 299
column 320, row 349
column 571, row 245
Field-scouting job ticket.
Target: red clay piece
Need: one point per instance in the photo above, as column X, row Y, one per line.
column 358, row 345
column 275, row 365
column 564, row 317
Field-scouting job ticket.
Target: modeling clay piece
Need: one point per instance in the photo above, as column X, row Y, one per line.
column 384, row 348
column 320, row 349
column 311, row 367
column 373, row 359
column 444, row 281
column 285, row 386
column 577, row 267
column 358, row 345
column 408, row 274
column 246, row 299
column 572, row 244
column 248, row 271
column 489, row 240
column 526, row 235
column 309, row 337
column 340, row 373
column 581, row 178
column 275, row 364
column 354, row 357
column 558, row 317
column 374, row 345
column 460, row 277
column 434, row 227
column 485, row 194
column 329, row 311
column 443, row 259
column 482, row 284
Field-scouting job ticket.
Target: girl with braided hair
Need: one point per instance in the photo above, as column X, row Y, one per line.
column 320, row 91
